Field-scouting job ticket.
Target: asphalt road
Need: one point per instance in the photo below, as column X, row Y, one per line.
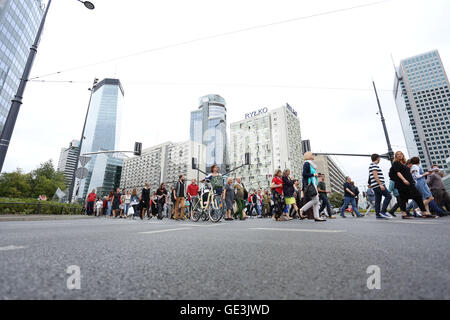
column 253, row 259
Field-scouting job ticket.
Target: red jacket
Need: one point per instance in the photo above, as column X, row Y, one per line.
column 92, row 197
column 192, row 190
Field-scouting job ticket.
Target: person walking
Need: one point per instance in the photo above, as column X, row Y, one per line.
column 349, row 198
column 240, row 198
column 161, row 193
column 90, row 201
column 266, row 204
column 116, row 202
column 229, row 198
column 405, row 184
column 109, row 205
column 145, row 199
column 259, row 203
column 323, row 196
column 421, row 184
column 192, row 193
column 126, row 203
column 180, row 193
column 437, row 188
column 310, row 186
column 392, row 189
column 134, row 202
column 99, row 207
column 277, row 192
column 377, row 183
column 370, row 195
column 288, row 192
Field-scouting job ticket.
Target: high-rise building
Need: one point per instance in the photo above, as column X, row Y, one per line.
column 19, row 22
column 422, row 96
column 209, row 127
column 334, row 176
column 67, row 161
column 102, row 131
column 163, row 163
column 273, row 140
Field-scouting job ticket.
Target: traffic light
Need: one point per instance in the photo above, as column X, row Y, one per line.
column 137, row 148
column 247, row 158
column 194, row 163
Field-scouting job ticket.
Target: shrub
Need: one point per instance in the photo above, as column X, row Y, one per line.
column 31, row 206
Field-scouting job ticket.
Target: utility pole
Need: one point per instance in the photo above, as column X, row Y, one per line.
column 81, row 141
column 388, row 141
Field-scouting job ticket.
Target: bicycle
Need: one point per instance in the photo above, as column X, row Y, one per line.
column 209, row 207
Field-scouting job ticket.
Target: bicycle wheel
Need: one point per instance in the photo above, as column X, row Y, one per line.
column 215, row 209
column 196, row 214
column 205, row 216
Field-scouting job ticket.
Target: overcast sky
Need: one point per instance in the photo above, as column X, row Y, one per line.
column 264, row 67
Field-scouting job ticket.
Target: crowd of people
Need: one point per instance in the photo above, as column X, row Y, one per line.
column 288, row 198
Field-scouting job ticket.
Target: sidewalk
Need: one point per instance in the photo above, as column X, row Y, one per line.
column 37, row 217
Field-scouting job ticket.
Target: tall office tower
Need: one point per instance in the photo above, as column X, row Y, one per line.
column 209, row 127
column 163, row 163
column 102, row 131
column 19, row 22
column 67, row 161
column 422, row 96
column 334, row 176
column 273, row 140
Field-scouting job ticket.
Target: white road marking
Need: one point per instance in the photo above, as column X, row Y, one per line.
column 299, row 230
column 8, row 248
column 203, row 225
column 413, row 222
column 165, row 230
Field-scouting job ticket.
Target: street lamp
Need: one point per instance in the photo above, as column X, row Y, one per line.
column 88, row 4
column 215, row 138
column 8, row 129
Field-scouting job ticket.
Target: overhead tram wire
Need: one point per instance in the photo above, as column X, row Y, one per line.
column 390, row 91
column 224, row 34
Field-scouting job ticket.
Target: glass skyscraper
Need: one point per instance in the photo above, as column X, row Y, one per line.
column 209, row 127
column 103, row 133
column 422, row 96
column 19, row 22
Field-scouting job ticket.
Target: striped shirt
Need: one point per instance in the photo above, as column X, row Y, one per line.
column 373, row 183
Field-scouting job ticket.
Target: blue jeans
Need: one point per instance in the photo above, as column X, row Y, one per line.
column 347, row 201
column 259, row 209
column 126, row 206
column 378, row 196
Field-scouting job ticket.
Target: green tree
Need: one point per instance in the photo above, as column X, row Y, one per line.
column 15, row 185
column 44, row 180
column 336, row 199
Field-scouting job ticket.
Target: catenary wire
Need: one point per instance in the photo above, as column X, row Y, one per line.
column 224, row 34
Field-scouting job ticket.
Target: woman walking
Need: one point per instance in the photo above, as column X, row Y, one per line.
column 109, row 206
column 277, row 192
column 126, row 203
column 405, row 184
column 421, row 184
column 310, row 186
column 266, row 204
column 135, row 202
column 288, row 192
column 229, row 199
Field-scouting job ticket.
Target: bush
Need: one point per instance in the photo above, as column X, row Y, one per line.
column 31, row 206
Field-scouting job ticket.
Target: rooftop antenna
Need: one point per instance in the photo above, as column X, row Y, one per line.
column 395, row 68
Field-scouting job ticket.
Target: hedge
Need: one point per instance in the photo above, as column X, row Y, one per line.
column 31, row 206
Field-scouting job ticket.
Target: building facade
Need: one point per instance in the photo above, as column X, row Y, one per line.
column 273, row 139
column 422, row 96
column 105, row 174
column 163, row 163
column 209, row 127
column 334, row 176
column 102, row 130
column 19, row 22
column 67, row 161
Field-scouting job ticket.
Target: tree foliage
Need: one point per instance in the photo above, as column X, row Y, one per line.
column 336, row 199
column 44, row 180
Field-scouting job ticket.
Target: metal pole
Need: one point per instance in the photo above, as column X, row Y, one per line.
column 8, row 129
column 388, row 141
column 81, row 141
